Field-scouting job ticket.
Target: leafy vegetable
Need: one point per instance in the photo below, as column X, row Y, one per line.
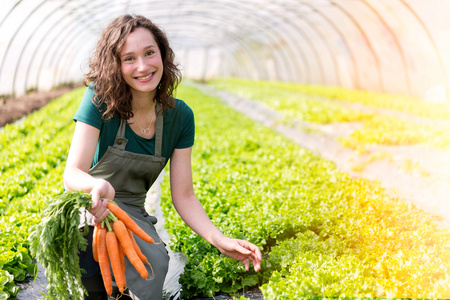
column 7, row 286
column 31, row 167
column 56, row 242
column 322, row 233
column 410, row 121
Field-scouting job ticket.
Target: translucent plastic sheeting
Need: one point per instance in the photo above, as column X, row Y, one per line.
column 397, row 46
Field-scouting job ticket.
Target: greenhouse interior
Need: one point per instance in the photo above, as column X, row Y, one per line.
column 322, row 148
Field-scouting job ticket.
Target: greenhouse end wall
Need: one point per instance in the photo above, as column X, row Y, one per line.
column 389, row 46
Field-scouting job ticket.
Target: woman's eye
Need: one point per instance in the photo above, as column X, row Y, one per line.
column 150, row 53
column 128, row 59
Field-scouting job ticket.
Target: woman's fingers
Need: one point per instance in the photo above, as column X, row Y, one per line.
column 255, row 261
column 246, row 264
column 100, row 193
column 102, row 212
column 244, row 251
column 254, row 255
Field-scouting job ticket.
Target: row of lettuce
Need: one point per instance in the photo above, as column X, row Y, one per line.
column 385, row 119
column 33, row 155
column 321, row 232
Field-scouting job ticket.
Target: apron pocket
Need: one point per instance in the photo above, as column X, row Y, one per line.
column 151, row 219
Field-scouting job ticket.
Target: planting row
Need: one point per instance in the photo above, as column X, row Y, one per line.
column 322, row 233
column 410, row 121
column 31, row 167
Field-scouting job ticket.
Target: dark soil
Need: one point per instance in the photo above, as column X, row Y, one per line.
column 12, row 109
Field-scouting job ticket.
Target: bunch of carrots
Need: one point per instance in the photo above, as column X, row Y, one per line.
column 112, row 240
column 58, row 236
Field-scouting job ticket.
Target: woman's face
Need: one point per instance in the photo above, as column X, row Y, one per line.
column 141, row 63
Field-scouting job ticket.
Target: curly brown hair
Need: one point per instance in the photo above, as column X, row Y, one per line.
column 104, row 67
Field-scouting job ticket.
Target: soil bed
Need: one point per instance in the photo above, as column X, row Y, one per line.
column 12, row 109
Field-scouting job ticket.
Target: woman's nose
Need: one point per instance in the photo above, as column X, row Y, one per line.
column 142, row 64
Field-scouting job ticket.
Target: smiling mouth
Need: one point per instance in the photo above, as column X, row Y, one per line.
column 145, row 77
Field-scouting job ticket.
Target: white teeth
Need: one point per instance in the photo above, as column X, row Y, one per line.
column 145, row 77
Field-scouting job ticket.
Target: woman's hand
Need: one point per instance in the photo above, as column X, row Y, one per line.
column 102, row 189
column 192, row 212
column 241, row 250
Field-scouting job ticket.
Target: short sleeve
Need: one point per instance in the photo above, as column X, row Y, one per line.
column 88, row 112
column 187, row 136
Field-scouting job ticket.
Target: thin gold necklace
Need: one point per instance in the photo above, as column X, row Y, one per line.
column 145, row 131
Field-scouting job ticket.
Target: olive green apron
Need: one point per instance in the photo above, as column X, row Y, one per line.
column 132, row 175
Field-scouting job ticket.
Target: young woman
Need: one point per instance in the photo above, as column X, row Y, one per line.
column 127, row 128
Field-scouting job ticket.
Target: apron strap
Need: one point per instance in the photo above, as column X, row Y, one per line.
column 121, row 141
column 159, row 130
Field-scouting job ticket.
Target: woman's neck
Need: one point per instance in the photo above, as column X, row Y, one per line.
column 143, row 103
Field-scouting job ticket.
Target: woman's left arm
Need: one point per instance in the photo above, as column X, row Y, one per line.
column 193, row 213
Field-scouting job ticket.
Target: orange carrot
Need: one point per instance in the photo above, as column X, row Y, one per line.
column 122, row 257
column 94, row 242
column 136, row 247
column 129, row 222
column 122, row 234
column 103, row 260
column 114, row 258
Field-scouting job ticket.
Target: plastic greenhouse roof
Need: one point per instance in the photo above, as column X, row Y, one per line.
column 397, row 46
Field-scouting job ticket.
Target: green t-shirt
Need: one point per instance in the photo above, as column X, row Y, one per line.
column 178, row 130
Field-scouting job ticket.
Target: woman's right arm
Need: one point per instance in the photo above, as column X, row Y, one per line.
column 76, row 173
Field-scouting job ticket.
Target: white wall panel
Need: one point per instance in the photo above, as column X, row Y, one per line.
column 396, row 46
